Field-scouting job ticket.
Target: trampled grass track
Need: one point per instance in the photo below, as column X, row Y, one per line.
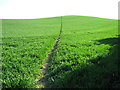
column 44, row 78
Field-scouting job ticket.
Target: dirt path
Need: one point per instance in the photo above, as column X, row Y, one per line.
column 49, row 58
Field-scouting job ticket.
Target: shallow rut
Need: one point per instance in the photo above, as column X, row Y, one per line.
column 42, row 80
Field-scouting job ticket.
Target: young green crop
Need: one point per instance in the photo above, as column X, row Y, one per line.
column 26, row 44
column 84, row 57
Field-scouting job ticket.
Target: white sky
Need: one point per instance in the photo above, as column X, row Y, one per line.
column 29, row 9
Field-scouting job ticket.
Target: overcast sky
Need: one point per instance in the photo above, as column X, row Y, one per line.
column 29, row 9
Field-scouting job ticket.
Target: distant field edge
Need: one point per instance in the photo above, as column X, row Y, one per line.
column 76, row 16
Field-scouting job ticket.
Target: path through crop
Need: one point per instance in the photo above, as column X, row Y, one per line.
column 42, row 80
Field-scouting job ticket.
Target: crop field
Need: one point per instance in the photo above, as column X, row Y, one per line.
column 26, row 44
column 86, row 55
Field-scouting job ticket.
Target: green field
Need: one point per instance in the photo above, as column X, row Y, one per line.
column 85, row 57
